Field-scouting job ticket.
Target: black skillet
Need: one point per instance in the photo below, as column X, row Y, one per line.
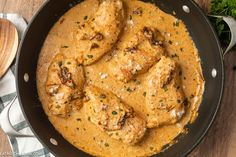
column 200, row 30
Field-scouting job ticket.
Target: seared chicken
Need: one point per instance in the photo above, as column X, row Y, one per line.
column 111, row 115
column 137, row 54
column 64, row 85
column 98, row 35
column 165, row 99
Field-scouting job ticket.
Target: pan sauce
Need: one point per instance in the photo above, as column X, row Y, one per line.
column 86, row 136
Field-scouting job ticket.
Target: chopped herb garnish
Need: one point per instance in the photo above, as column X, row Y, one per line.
column 102, row 96
column 174, row 55
column 165, row 88
column 90, row 56
column 114, row 112
column 85, row 17
column 144, row 93
column 129, row 90
column 176, row 23
column 94, row 46
column 65, row 46
column 106, row 145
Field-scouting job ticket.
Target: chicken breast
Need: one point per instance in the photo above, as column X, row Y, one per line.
column 98, row 35
column 137, row 54
column 64, row 85
column 111, row 115
column 165, row 99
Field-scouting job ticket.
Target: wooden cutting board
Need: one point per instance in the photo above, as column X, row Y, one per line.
column 221, row 138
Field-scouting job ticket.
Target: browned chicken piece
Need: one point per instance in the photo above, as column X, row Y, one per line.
column 165, row 99
column 98, row 35
column 64, row 85
column 137, row 54
column 111, row 115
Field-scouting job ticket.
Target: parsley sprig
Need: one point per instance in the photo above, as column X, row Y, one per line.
column 225, row 8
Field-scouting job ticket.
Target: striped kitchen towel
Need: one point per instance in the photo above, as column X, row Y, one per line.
column 21, row 147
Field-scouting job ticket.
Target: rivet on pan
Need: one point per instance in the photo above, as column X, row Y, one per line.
column 26, row 77
column 53, row 141
column 186, row 9
column 213, row 73
column 70, row 5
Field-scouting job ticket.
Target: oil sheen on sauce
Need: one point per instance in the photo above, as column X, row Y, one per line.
column 77, row 129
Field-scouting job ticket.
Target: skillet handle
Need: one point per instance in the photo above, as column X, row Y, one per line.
column 6, row 124
column 231, row 22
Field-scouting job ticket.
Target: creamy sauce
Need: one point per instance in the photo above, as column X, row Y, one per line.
column 77, row 129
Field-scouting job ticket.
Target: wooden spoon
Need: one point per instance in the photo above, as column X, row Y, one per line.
column 8, row 44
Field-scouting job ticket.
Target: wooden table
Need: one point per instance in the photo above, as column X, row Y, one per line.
column 220, row 140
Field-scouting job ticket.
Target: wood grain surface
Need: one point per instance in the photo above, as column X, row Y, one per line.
column 8, row 44
column 220, row 141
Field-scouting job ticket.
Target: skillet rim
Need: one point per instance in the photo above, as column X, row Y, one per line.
column 187, row 151
column 197, row 142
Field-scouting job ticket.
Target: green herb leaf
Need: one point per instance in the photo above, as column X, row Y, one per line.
column 90, row 56
column 144, row 93
column 102, row 96
column 129, row 89
column 114, row 112
column 224, row 8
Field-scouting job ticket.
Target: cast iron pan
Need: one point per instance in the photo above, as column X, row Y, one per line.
column 202, row 33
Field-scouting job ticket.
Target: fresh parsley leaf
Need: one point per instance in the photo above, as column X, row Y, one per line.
column 224, row 8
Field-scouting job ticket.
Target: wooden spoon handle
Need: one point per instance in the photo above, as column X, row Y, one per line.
column 8, row 44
